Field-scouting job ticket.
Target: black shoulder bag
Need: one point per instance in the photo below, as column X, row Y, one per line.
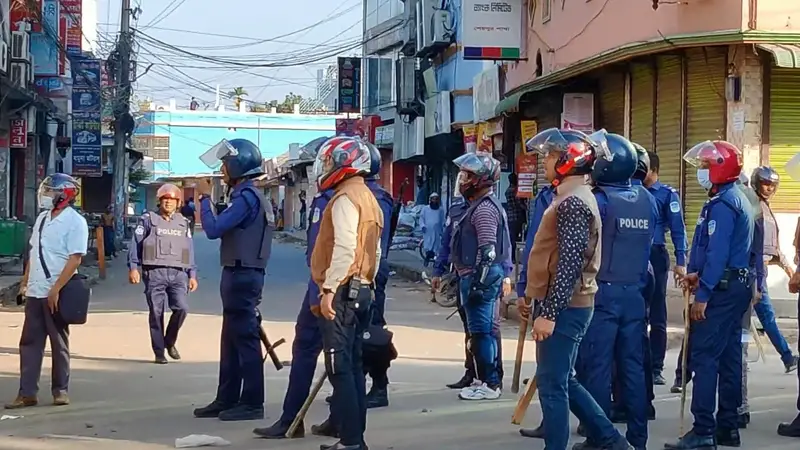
column 73, row 299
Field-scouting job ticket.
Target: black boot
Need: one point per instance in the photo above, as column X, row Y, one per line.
column 676, row 387
column 328, row 399
column 618, row 415
column 744, row 420
column 326, row 429
column 212, row 411
column 536, row 433
column 340, row 446
column 728, row 438
column 278, row 430
column 790, row 429
column 465, row 381
column 242, row 412
column 658, row 379
column 160, row 359
column 620, row 444
column 581, row 430
column 692, row 441
column 174, row 353
column 377, row 397
column 651, row 412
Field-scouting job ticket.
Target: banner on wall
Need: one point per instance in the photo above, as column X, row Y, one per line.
column 87, row 153
column 578, row 112
column 470, row 138
column 72, row 11
column 528, row 129
column 349, row 85
column 22, row 16
column 526, row 165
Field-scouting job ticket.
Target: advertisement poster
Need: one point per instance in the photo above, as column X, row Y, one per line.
column 71, row 11
column 578, row 112
column 87, row 154
column 18, row 133
column 483, row 140
column 22, row 17
column 349, row 85
column 526, row 174
column 43, row 46
column 528, row 129
column 492, row 30
column 470, row 138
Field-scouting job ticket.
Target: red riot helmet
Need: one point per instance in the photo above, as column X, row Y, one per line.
column 340, row 158
column 169, row 191
column 722, row 160
column 57, row 191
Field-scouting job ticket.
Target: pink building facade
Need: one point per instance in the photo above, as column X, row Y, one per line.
column 667, row 78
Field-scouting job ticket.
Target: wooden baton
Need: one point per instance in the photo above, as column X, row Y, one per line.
column 523, row 332
column 301, row 415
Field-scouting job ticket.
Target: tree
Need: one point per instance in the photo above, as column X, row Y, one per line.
column 287, row 105
column 135, row 178
column 237, row 94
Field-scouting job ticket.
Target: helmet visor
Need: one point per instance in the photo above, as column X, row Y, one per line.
column 599, row 140
column 703, row 155
column 546, row 141
column 469, row 162
column 214, row 156
column 793, row 167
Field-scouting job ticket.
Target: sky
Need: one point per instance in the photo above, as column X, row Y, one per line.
column 256, row 32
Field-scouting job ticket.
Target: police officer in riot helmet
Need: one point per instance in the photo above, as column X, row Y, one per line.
column 629, row 214
column 168, row 276
column 245, row 231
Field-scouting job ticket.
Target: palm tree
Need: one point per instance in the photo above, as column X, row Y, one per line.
column 237, row 94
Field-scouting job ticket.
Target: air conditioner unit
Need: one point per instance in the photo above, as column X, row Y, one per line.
column 408, row 76
column 20, row 46
column 3, row 57
column 435, row 28
column 31, row 68
column 19, row 74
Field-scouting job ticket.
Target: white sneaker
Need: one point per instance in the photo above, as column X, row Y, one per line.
column 482, row 392
column 467, row 391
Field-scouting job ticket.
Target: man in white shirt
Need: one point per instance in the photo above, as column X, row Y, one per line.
column 60, row 236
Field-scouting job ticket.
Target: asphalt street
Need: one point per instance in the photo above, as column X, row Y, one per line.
column 118, row 394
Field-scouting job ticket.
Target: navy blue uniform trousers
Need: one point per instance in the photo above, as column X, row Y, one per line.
column 241, row 370
column 165, row 287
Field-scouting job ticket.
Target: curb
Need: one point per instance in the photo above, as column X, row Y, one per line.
column 8, row 295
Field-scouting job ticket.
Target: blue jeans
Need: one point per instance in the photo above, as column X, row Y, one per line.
column 766, row 315
column 560, row 392
column 479, row 309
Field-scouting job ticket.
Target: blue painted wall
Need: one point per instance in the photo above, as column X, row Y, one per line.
column 456, row 73
column 192, row 133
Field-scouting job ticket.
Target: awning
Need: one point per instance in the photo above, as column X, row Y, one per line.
column 785, row 55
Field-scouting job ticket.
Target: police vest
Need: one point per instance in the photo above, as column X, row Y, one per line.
column 387, row 206
column 628, row 229
column 464, row 242
column 249, row 245
column 318, row 205
column 168, row 244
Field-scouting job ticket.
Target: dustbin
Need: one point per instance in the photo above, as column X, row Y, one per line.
column 12, row 237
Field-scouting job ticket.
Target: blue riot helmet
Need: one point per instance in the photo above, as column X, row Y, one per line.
column 621, row 164
column 765, row 181
column 239, row 158
column 642, row 162
column 576, row 151
column 374, row 163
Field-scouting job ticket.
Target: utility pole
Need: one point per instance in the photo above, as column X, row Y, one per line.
column 122, row 98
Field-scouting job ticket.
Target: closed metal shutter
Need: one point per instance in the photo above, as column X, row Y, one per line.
column 705, row 119
column 612, row 102
column 642, row 84
column 784, row 136
column 668, row 124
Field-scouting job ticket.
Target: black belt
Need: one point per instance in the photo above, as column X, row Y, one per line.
column 149, row 267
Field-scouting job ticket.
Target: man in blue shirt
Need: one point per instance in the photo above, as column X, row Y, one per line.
column 719, row 275
column 670, row 218
column 245, row 233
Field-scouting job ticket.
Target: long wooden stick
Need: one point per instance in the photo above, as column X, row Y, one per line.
column 298, row 419
column 759, row 343
column 524, row 402
column 687, row 320
column 523, row 332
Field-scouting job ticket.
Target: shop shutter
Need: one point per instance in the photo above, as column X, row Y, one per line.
column 784, row 139
column 668, row 124
column 705, row 119
column 612, row 102
column 642, row 81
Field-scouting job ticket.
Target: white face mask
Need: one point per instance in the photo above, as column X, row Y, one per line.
column 46, row 202
column 704, row 178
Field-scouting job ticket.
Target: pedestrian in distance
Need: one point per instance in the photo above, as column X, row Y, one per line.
column 431, row 221
column 162, row 255
column 108, row 220
column 344, row 265
column 563, row 291
column 719, row 275
column 57, row 247
column 245, row 232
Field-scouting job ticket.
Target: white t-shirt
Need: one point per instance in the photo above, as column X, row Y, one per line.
column 62, row 237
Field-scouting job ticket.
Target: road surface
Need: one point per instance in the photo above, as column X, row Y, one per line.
column 118, row 394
